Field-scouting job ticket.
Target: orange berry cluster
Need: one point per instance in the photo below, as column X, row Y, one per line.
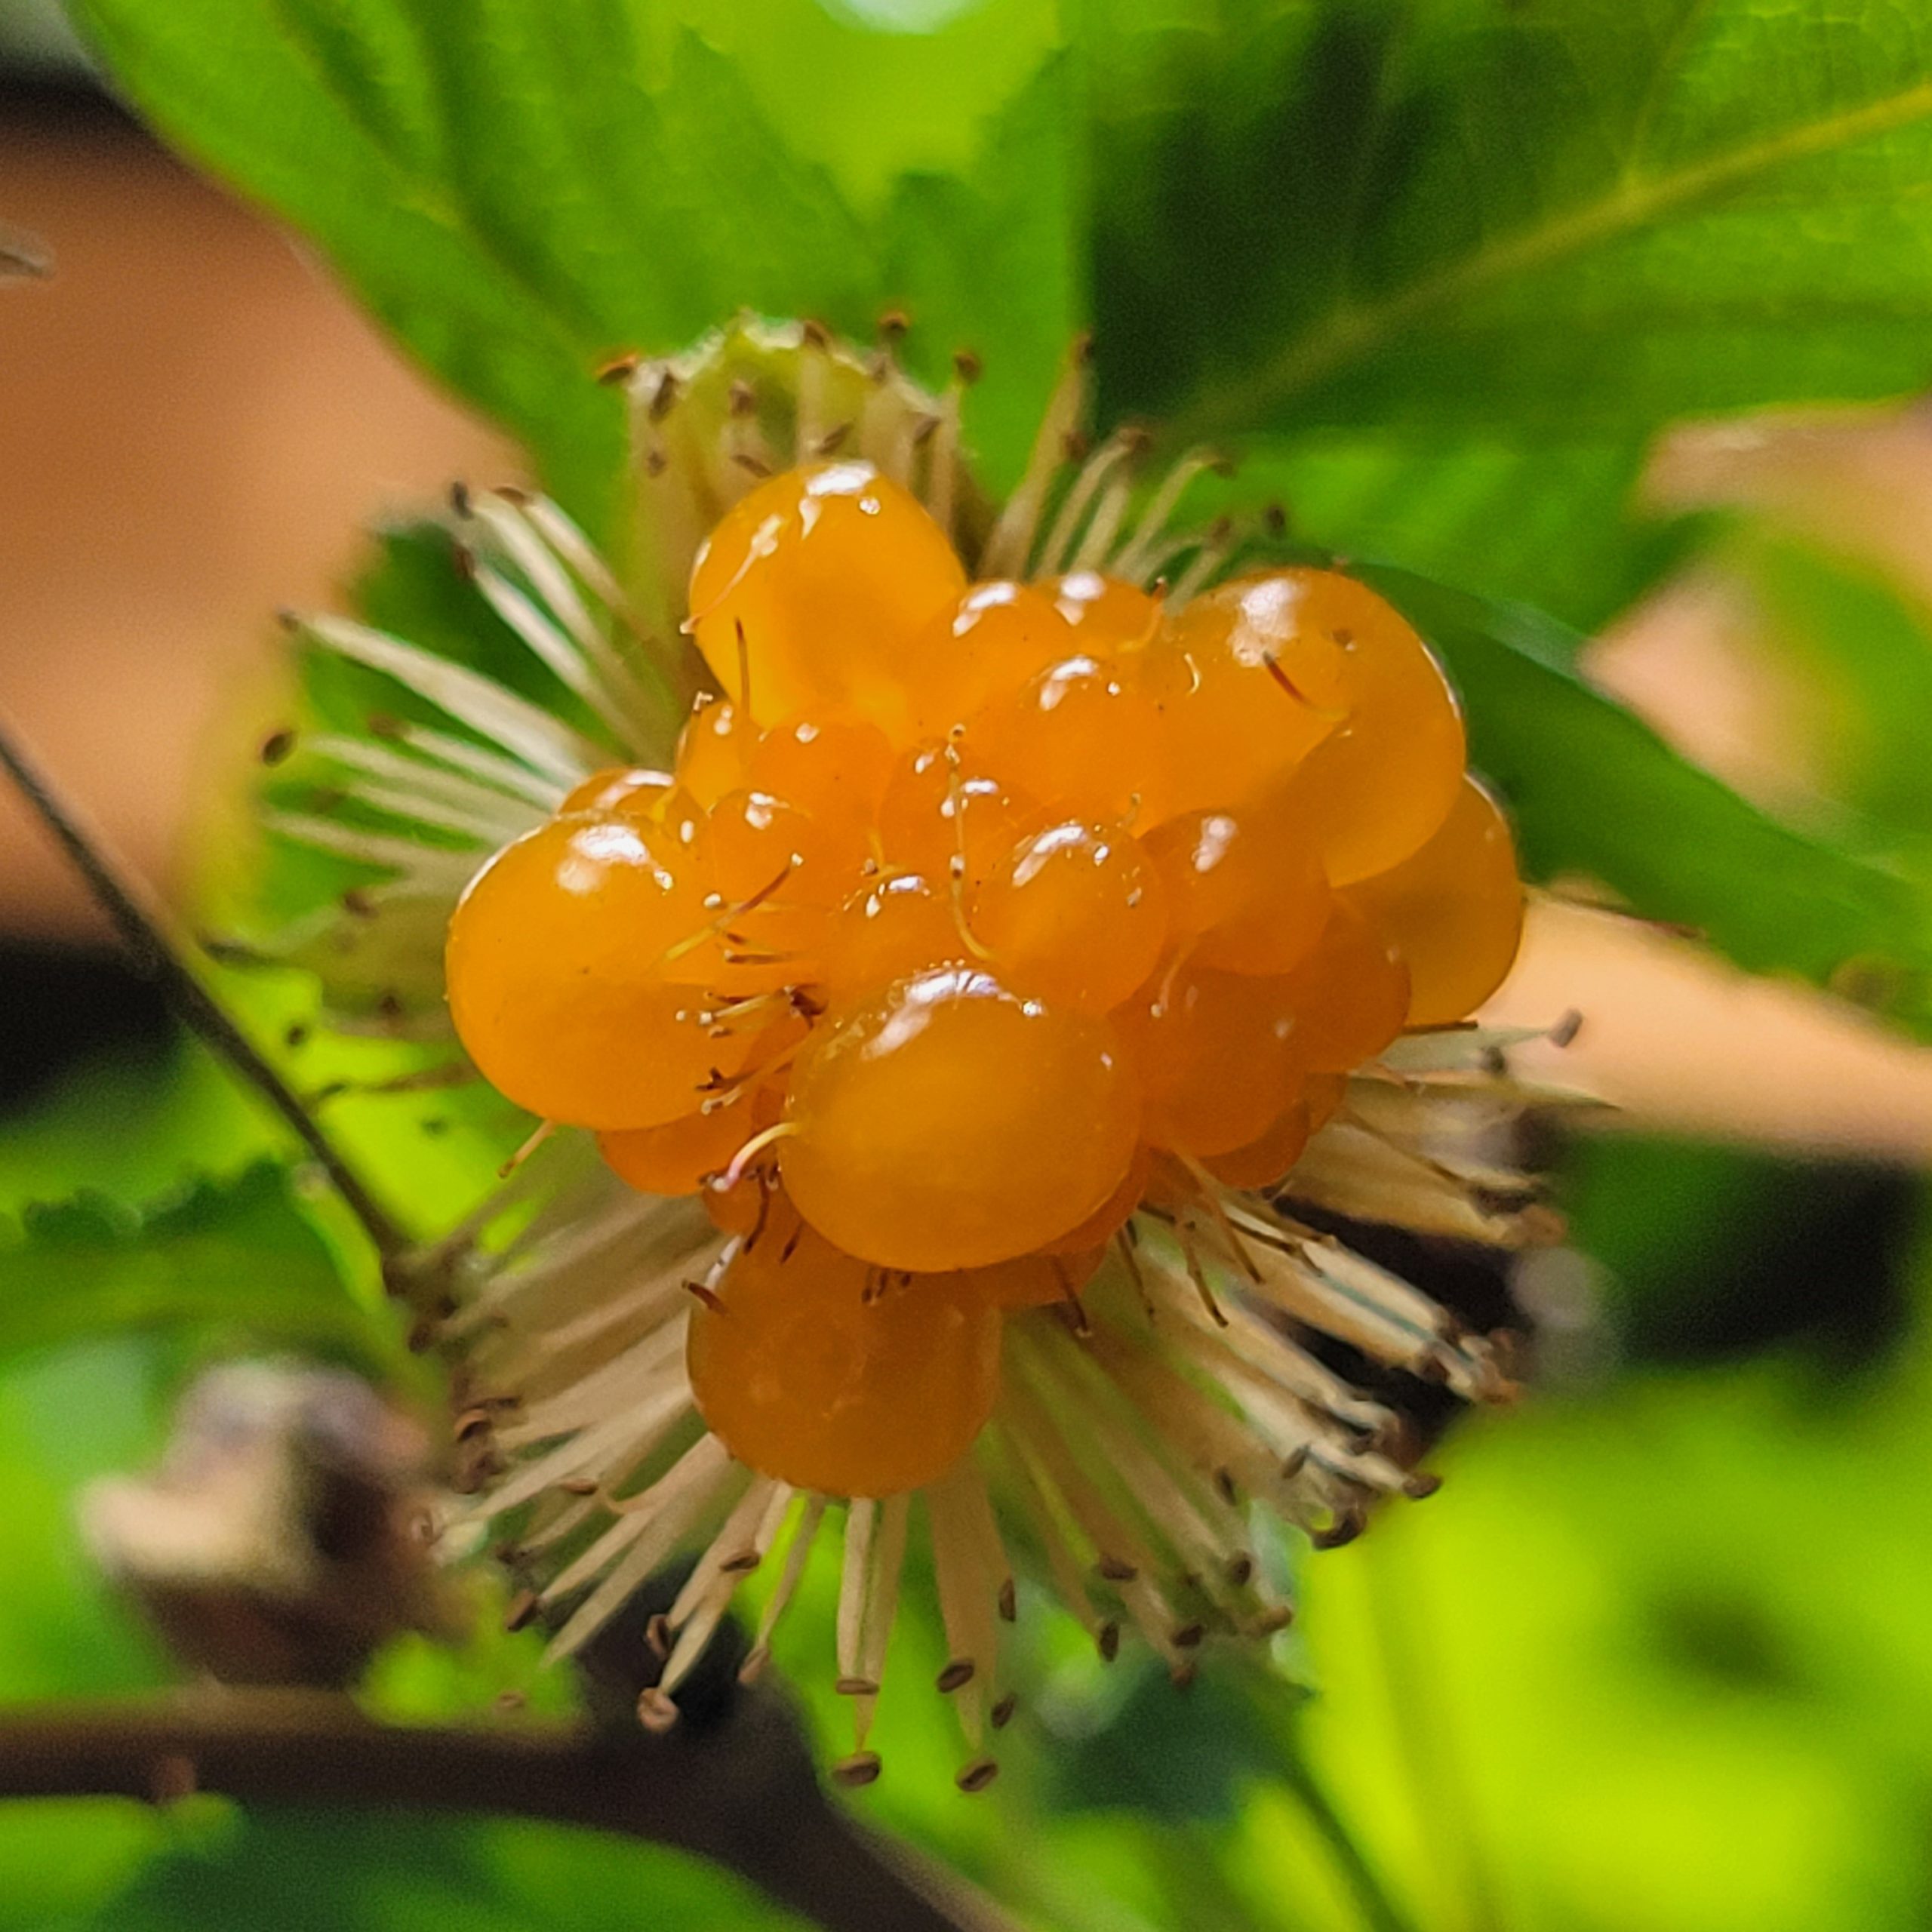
column 970, row 913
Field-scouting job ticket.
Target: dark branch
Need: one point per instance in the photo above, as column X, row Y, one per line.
column 158, row 956
column 745, row 1796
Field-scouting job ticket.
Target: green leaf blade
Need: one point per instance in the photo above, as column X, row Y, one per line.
column 238, row 1256
column 1595, row 793
column 1577, row 219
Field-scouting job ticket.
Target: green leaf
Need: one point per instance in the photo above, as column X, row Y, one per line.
column 303, row 1869
column 1555, row 221
column 1180, row 1758
column 1612, row 1678
column 1595, row 791
column 1862, row 645
column 1370, row 229
column 1461, row 260
column 519, row 189
column 238, row 1256
column 1548, row 525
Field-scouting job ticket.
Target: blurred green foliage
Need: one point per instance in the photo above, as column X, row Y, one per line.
column 1655, row 1660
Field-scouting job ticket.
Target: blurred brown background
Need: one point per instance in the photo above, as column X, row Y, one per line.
column 195, row 426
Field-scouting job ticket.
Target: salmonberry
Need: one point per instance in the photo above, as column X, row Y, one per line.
column 970, row 918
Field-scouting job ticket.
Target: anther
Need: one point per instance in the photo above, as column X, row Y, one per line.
column 967, row 366
column 855, row 1687
column 862, row 1768
column 976, row 1776
column 1347, row 1527
column 1114, row 1569
column 1008, row 1602
column 618, row 368
column 1001, row 1715
column 277, row 745
column 655, row 1712
column 709, row 1297
column 1107, row 1640
column 666, row 394
column 956, row 1675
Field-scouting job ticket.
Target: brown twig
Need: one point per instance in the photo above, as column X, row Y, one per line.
column 744, row 1796
column 158, row 956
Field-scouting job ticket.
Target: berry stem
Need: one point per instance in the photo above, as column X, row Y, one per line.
column 159, row 956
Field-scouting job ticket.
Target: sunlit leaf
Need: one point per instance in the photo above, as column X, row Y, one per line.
column 1555, row 221
column 519, row 190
